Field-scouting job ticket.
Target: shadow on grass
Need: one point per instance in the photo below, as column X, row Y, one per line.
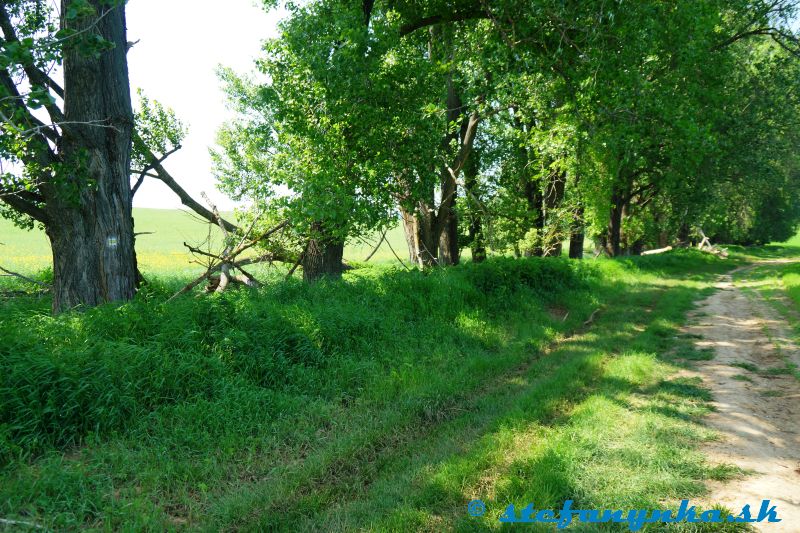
column 376, row 401
column 540, row 439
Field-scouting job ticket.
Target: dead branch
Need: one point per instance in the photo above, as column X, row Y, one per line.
column 658, row 251
column 225, row 267
column 191, row 285
column 186, row 199
column 297, row 263
column 591, row 317
column 9, row 273
column 377, row 246
column 397, row 256
column 145, row 172
column 706, row 246
column 227, row 262
column 20, row 523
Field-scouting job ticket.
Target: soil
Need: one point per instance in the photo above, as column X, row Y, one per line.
column 757, row 404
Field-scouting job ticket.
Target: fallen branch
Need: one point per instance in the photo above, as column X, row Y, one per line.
column 658, row 251
column 375, row 250
column 164, row 176
column 706, row 246
column 591, row 317
column 19, row 523
column 397, row 256
column 25, row 278
column 297, row 263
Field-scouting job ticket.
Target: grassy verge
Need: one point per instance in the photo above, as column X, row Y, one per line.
column 384, row 403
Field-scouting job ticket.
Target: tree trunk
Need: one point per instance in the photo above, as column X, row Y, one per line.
column 429, row 229
column 476, row 237
column 448, row 230
column 535, row 201
column 448, row 242
column 423, row 246
column 553, row 244
column 683, row 233
column 613, row 240
column 323, row 255
column 91, row 227
column 577, row 235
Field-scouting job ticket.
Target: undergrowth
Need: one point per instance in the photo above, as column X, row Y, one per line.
column 264, row 409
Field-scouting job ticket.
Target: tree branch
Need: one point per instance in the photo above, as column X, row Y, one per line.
column 411, row 27
column 23, row 201
column 186, row 199
column 145, row 171
column 35, row 76
column 24, row 278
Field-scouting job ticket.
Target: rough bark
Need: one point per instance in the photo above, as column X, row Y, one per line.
column 423, row 247
column 446, row 225
column 449, row 253
column 91, row 227
column 323, row 255
column 432, row 232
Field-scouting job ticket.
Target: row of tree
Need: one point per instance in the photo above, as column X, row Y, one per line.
column 507, row 127
column 513, row 126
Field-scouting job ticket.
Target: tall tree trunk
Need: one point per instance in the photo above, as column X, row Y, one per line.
column 556, row 186
column 613, row 241
column 577, row 235
column 448, row 241
column 91, row 228
column 423, row 246
column 323, row 255
column 425, row 226
column 447, row 226
column 477, row 238
column 534, row 198
column 684, row 233
column 535, row 202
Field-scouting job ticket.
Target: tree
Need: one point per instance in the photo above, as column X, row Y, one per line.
column 70, row 173
column 333, row 136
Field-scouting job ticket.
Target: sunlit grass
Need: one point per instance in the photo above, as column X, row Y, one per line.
column 384, row 402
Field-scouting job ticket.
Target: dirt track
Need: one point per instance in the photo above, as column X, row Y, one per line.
column 757, row 412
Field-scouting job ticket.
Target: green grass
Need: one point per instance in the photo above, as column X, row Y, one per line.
column 160, row 249
column 777, row 283
column 746, row 366
column 384, row 403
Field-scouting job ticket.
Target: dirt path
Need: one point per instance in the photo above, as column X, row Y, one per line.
column 757, row 412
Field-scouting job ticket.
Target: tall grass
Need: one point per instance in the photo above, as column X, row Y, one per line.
column 228, row 409
column 68, row 377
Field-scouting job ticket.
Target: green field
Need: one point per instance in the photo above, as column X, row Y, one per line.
column 160, row 248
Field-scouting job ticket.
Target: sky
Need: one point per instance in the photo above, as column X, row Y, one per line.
column 181, row 44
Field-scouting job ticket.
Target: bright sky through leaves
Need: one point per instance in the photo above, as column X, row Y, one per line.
column 181, row 44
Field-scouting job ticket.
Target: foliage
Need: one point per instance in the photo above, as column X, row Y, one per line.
column 671, row 117
column 298, row 396
column 336, row 125
column 159, row 130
